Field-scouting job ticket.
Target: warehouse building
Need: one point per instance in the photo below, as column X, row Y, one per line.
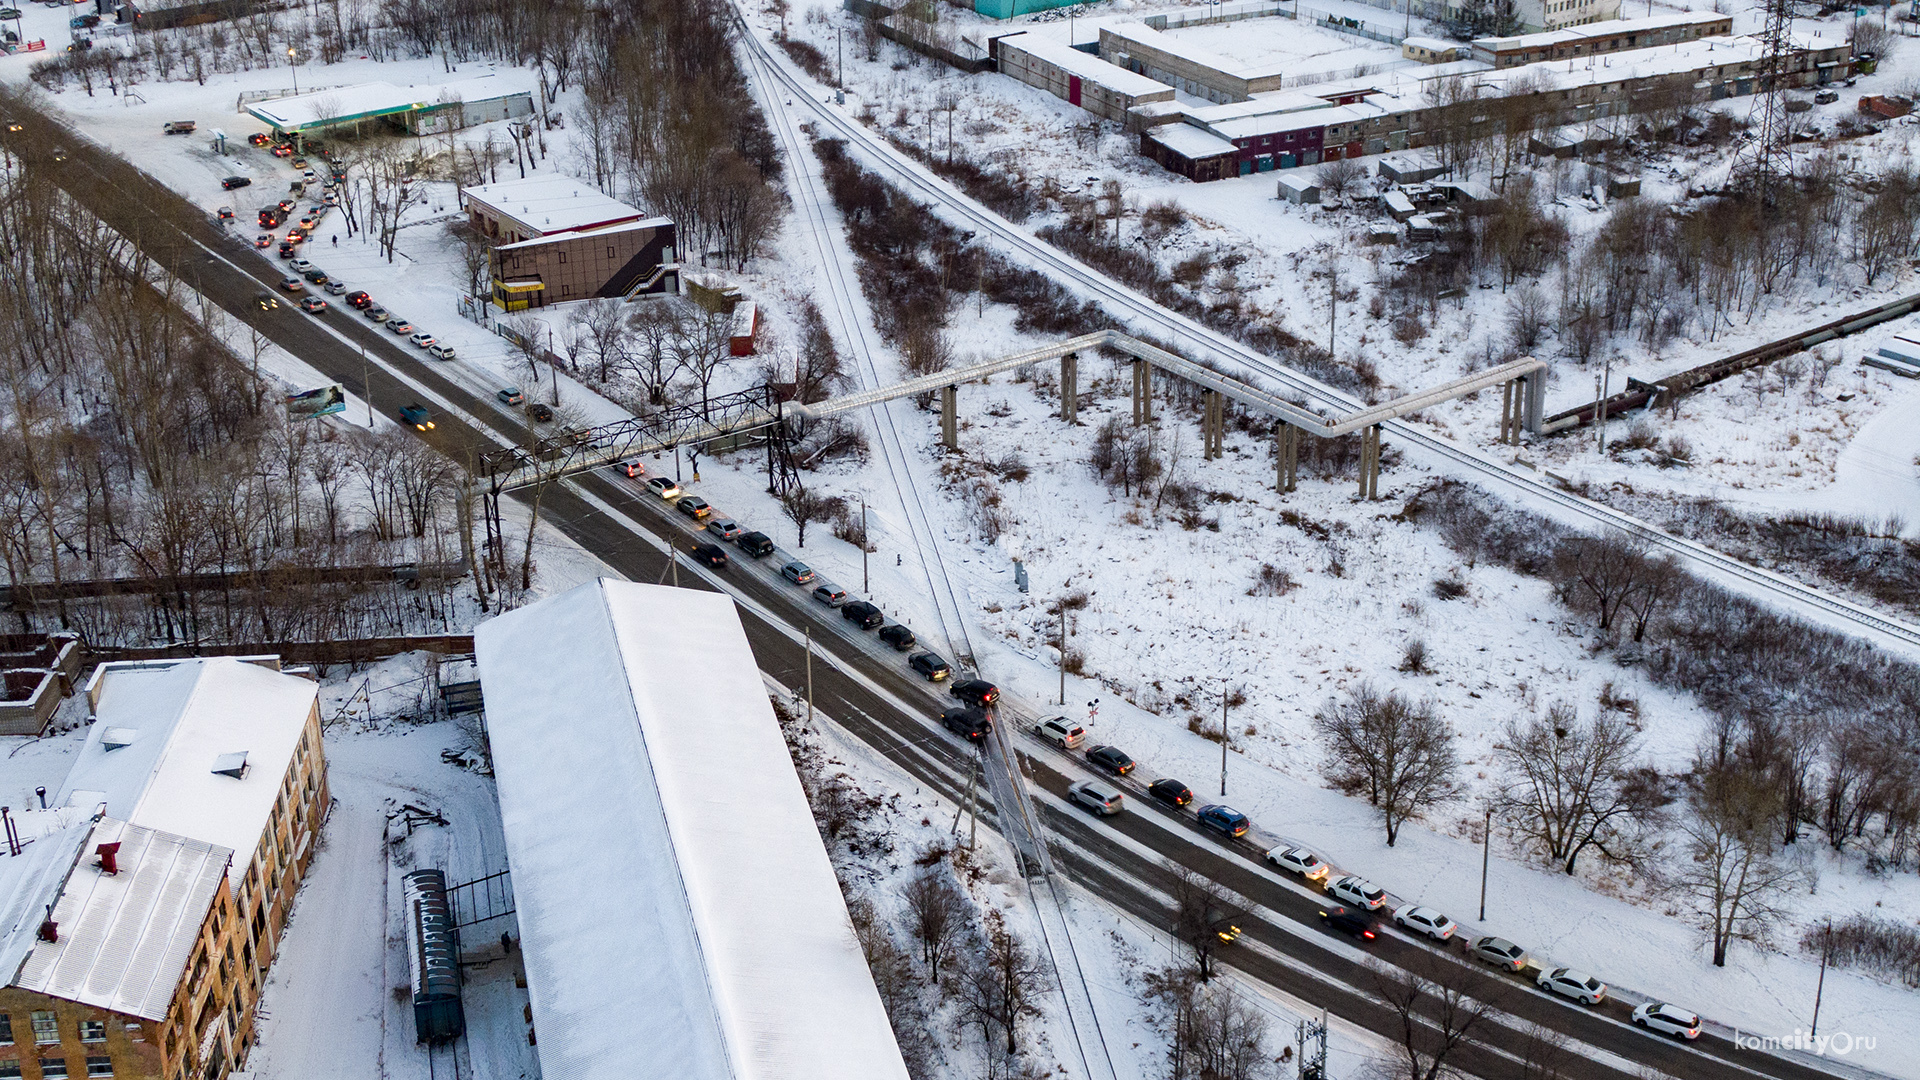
column 1606, row 37
column 1184, row 65
column 667, row 873
column 416, row 110
column 1075, row 77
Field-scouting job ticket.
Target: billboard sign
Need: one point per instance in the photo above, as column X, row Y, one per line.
column 322, row 402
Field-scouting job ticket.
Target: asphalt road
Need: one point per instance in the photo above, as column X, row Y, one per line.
column 227, row 270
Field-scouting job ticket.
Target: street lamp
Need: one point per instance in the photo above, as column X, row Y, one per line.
column 291, row 58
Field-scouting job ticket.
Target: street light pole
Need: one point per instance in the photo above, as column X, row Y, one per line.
column 865, row 587
column 292, row 67
column 1486, row 856
column 1225, row 696
column 809, row 676
column 1063, row 653
column 1820, row 988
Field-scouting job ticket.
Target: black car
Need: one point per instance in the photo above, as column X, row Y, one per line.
column 976, row 692
column 711, row 555
column 1111, row 759
column 863, row 613
column 930, row 665
column 316, row 275
column 539, row 412
column 898, row 636
column 757, row 544
column 232, row 182
column 1348, row 921
column 266, row 301
column 969, row 723
column 1170, row 791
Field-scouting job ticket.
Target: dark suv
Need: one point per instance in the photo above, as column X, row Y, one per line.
column 899, row 637
column 1112, row 759
column 971, row 724
column 930, row 665
column 976, row 692
column 865, row 614
column 757, row 544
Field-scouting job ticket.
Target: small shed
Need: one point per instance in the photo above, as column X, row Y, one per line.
column 1410, row 168
column 1399, row 206
column 1299, row 190
column 1470, row 195
column 746, row 325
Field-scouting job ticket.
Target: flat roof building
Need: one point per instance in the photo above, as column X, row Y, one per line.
column 1076, row 77
column 541, row 205
column 1609, row 36
column 668, row 876
column 414, row 109
column 1184, row 65
column 558, row 240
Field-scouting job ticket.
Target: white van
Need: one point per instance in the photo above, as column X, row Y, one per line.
column 1098, row 798
column 1061, row 732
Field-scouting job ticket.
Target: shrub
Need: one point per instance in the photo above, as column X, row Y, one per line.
column 1449, row 588
column 1272, row 581
column 1413, row 661
column 1870, row 943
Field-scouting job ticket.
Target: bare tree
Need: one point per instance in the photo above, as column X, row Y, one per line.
column 1730, row 877
column 804, row 506
column 996, row 985
column 1601, row 570
column 1212, row 1032
column 1203, row 914
column 1397, row 752
column 1435, row 1014
column 1341, row 177
column 936, row 912
column 1577, row 785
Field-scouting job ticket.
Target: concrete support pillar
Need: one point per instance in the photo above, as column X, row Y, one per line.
column 1370, row 462
column 1533, row 410
column 1509, row 420
column 1142, row 393
column 1213, row 424
column 950, row 417
column 1069, row 388
column 1287, row 454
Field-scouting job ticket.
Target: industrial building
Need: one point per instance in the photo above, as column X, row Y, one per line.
column 416, row 110
column 668, row 877
column 1075, row 77
column 139, row 915
column 1186, row 66
column 558, row 240
column 1395, row 112
column 1608, row 37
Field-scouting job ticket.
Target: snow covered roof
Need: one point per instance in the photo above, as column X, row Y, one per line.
column 550, row 203
column 31, row 880
column 1087, row 66
column 1431, row 44
column 374, row 99
column 1606, row 29
column 182, row 717
column 667, row 873
column 1195, row 53
column 643, row 223
column 125, row 938
column 1190, row 142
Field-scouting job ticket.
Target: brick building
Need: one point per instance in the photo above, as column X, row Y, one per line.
column 556, row 240
column 171, row 862
column 1076, row 77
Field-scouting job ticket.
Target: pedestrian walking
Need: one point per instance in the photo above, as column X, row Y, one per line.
column 336, row 239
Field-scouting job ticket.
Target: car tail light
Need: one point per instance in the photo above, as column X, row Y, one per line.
column 1366, row 933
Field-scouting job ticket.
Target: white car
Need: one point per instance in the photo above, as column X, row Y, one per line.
column 1096, row 797
column 1359, row 892
column 1300, row 861
column 1577, row 985
column 335, row 287
column 1499, row 952
column 664, row 487
column 300, row 266
column 1668, row 1020
column 440, row 352
column 1425, row 920
column 422, row 339
column 1061, row 732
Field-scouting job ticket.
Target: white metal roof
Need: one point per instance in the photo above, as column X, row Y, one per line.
column 1190, row 142
column 626, row 226
column 667, row 873
column 378, row 99
column 184, row 716
column 1085, row 65
column 550, row 203
column 1195, row 53
column 1609, row 28
column 125, row 938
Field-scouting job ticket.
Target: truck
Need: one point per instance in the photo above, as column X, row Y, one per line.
column 179, row 127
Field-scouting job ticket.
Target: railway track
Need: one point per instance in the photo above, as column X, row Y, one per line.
column 1197, row 341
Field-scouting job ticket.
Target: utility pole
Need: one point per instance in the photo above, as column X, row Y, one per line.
column 809, row 676
column 366, row 383
column 1599, row 428
column 864, row 586
column 1820, row 988
column 840, row 51
column 1063, row 653
column 1486, row 857
column 1225, row 697
column 673, row 564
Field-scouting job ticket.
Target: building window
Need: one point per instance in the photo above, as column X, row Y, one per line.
column 610, row 251
column 563, row 258
column 99, row 1066
column 6, row 1030
column 93, row 1031
column 46, row 1028
column 9, row 1070
column 53, row 1068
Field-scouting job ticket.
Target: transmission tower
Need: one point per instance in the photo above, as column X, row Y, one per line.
column 1763, row 166
column 1311, row 1037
